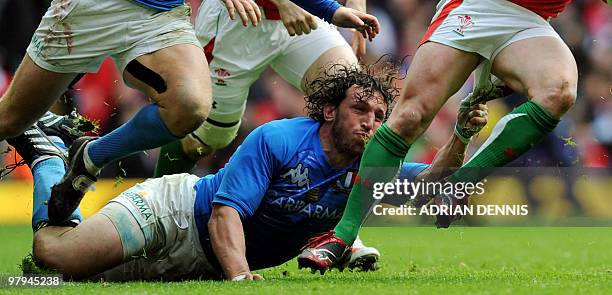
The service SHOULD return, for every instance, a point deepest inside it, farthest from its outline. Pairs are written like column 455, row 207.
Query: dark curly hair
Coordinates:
column 331, row 86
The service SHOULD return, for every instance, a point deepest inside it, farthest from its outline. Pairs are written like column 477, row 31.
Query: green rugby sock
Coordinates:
column 381, row 160
column 512, row 136
column 172, row 160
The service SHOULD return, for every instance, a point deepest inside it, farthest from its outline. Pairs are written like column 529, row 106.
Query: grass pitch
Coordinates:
column 459, row 260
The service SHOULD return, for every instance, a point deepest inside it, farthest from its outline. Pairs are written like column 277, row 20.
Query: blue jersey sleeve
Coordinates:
column 324, row 9
column 163, row 5
column 247, row 175
column 411, row 170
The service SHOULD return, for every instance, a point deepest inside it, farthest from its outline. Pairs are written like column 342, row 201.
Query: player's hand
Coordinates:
column 364, row 23
column 471, row 119
column 248, row 10
column 358, row 43
column 247, row 276
column 296, row 20
column 494, row 89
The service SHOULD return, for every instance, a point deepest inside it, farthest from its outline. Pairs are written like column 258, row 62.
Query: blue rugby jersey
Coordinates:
column 283, row 187
column 324, row 9
column 321, row 8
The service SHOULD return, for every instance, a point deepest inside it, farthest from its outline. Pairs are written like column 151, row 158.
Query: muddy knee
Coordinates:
column 186, row 112
column 557, row 96
column 410, row 118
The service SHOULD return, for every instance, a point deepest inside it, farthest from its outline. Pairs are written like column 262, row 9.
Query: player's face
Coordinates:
column 357, row 118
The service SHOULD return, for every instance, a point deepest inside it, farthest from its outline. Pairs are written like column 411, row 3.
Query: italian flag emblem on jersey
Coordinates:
column 349, row 179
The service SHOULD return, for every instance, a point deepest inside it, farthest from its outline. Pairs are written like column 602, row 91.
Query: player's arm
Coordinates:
column 470, row 120
column 358, row 43
column 246, row 179
column 227, row 238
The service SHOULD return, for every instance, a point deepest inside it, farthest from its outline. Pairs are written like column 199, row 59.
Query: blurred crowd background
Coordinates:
column 584, row 137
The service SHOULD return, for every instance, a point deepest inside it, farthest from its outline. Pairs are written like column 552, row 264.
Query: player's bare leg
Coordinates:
column 31, row 93
column 176, row 78
column 436, row 73
column 72, row 252
column 543, row 69
column 186, row 102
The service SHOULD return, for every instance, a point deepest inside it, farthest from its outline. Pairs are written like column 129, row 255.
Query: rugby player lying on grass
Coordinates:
column 288, row 182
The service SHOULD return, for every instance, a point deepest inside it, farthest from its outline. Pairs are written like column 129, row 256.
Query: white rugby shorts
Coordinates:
column 75, row 36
